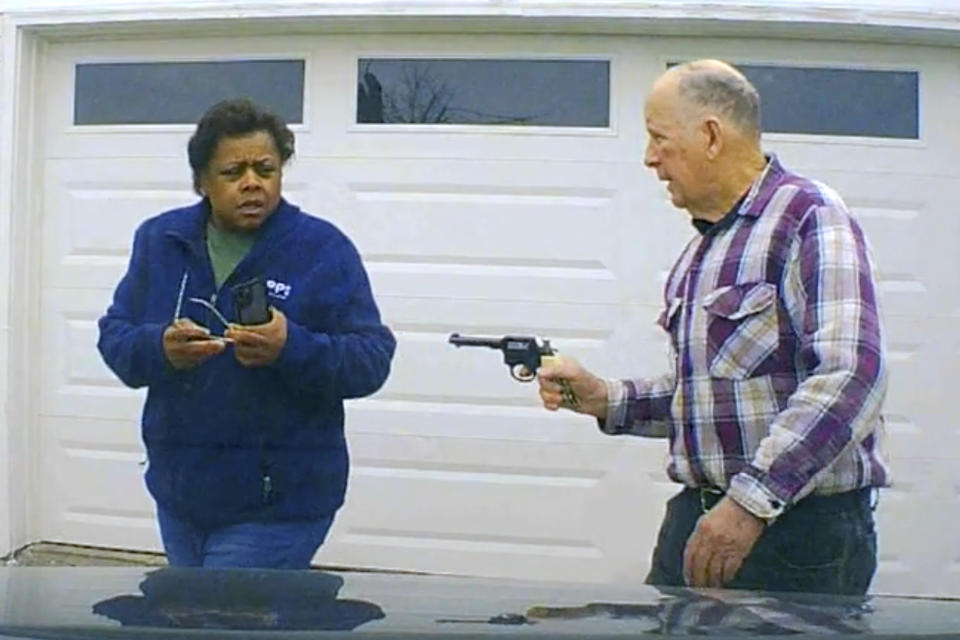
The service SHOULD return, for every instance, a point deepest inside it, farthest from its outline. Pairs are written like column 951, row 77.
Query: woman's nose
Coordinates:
column 250, row 180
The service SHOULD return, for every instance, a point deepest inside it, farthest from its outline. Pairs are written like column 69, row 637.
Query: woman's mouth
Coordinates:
column 251, row 207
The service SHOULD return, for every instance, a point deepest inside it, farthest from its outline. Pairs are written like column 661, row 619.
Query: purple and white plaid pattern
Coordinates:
column 780, row 369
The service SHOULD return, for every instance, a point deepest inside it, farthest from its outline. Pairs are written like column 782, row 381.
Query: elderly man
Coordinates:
column 772, row 408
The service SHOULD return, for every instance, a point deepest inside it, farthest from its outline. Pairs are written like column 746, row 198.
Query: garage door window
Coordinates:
column 179, row 92
column 546, row 93
column 837, row 102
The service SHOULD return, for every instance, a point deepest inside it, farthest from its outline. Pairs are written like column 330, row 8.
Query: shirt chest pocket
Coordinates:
column 668, row 322
column 743, row 330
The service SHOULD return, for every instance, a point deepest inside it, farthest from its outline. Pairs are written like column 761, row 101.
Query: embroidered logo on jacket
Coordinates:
column 279, row 290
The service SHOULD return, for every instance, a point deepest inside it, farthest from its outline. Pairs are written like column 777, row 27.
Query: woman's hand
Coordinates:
column 186, row 344
column 259, row 345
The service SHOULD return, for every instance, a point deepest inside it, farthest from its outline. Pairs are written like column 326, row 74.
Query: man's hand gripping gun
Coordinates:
column 523, row 354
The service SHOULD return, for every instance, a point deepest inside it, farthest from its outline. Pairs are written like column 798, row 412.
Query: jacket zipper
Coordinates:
column 213, row 301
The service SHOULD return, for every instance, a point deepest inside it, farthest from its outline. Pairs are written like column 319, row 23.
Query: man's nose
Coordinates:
column 650, row 157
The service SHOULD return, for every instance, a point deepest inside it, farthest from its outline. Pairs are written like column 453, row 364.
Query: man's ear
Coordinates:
column 713, row 131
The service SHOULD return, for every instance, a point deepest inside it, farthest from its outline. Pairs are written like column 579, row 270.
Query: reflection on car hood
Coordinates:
column 137, row 603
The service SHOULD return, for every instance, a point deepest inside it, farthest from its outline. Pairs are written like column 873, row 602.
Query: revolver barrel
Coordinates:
column 475, row 341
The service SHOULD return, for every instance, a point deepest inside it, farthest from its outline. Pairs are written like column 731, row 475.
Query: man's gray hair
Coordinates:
column 715, row 86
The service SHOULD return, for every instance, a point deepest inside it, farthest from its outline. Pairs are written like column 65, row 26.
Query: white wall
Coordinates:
column 928, row 13
column 15, row 431
column 5, row 265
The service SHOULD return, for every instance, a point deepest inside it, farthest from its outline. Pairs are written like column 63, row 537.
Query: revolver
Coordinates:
column 523, row 354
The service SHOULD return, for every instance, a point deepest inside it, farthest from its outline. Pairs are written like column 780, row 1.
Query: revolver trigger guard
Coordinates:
column 515, row 373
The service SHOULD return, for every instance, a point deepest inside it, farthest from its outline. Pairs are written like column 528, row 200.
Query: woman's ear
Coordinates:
column 201, row 188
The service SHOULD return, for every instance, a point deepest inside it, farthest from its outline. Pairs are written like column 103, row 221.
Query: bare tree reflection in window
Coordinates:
column 420, row 96
column 369, row 97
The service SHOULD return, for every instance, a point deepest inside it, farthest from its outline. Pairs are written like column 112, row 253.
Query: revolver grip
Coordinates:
column 569, row 397
column 547, row 359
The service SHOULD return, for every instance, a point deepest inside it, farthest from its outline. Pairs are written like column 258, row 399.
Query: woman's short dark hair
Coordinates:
column 230, row 118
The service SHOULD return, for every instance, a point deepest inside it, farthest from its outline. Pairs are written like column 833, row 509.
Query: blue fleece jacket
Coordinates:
column 228, row 443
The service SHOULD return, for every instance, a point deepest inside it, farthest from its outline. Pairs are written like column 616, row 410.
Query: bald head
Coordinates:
column 718, row 87
column 703, row 126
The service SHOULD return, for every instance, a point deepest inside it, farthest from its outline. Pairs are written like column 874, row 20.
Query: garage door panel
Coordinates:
column 77, row 381
column 491, row 224
column 141, row 141
column 346, row 139
column 439, row 556
column 471, row 420
column 607, row 148
column 103, row 203
column 816, row 156
column 911, row 232
column 474, row 374
column 587, row 230
column 918, row 370
column 546, row 522
column 904, row 516
column 494, row 282
column 555, row 320
column 616, row 341
column 472, row 210
column 133, row 146
column 110, row 507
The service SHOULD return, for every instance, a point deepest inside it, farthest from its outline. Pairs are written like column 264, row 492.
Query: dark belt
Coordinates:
column 847, row 501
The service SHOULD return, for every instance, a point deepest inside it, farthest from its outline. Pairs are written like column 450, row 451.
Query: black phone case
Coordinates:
column 250, row 302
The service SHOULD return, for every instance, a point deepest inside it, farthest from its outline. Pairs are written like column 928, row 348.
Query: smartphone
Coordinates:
column 250, row 302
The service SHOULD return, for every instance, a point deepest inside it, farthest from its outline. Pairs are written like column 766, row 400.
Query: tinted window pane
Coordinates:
column 179, row 92
column 553, row 93
column 839, row 102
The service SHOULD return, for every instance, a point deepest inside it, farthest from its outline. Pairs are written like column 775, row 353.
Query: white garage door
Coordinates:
column 553, row 229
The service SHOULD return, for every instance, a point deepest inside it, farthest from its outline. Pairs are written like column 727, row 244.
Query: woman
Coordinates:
column 243, row 424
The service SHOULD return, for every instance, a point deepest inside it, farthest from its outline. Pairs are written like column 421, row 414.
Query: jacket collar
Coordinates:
column 190, row 227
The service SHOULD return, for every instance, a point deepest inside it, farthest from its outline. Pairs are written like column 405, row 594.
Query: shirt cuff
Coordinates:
column 752, row 495
column 616, row 407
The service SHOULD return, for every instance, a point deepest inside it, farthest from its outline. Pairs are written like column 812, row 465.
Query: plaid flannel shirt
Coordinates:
column 779, row 365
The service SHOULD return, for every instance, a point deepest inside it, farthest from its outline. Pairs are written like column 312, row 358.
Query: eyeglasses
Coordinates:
column 206, row 303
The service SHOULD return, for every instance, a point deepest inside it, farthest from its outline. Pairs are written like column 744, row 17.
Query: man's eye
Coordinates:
column 265, row 170
column 232, row 172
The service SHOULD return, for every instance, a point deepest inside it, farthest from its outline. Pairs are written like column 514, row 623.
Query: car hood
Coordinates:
column 56, row 602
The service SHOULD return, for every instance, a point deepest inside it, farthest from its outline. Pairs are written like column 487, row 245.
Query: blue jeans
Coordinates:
column 260, row 545
column 823, row 544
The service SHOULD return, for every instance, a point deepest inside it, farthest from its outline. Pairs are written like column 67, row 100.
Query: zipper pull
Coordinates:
column 267, row 489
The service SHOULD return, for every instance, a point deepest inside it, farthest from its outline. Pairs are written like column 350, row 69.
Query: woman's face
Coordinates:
column 243, row 181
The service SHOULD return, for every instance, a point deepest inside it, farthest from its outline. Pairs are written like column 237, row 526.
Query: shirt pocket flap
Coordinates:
column 666, row 317
column 740, row 300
